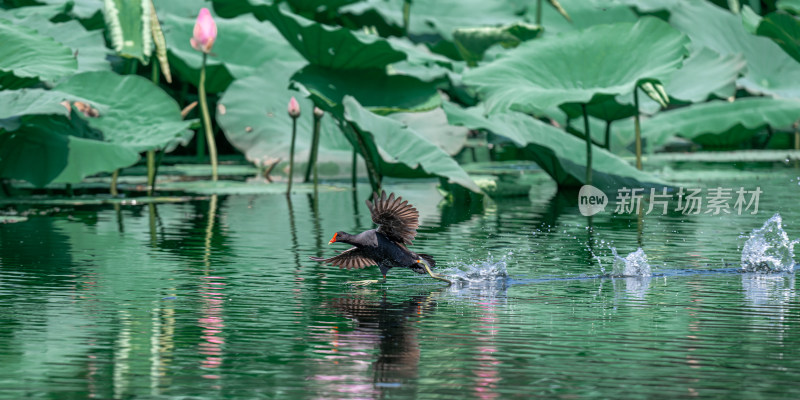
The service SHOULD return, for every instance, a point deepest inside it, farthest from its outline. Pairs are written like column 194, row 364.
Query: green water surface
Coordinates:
column 216, row 298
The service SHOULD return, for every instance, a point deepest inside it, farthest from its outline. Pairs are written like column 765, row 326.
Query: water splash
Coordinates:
column 768, row 249
column 489, row 272
column 634, row 264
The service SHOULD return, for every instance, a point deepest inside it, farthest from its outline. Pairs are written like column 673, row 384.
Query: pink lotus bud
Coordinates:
column 318, row 113
column 294, row 108
column 205, row 32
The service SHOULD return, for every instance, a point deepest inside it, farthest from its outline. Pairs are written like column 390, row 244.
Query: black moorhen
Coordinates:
column 385, row 246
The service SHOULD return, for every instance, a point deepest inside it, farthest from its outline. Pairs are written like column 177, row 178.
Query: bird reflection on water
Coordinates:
column 379, row 351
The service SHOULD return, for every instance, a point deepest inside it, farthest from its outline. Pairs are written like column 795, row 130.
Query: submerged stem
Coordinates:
column 212, row 147
column 151, row 171
column 588, row 137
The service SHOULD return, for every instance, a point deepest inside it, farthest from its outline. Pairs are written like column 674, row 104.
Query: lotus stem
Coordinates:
column 212, row 147
column 151, row 171
column 291, row 155
column 159, row 158
column 796, row 142
column 114, row 177
column 608, row 135
column 588, row 137
column 353, row 170
column 312, row 157
column 637, row 128
column 539, row 12
column 372, row 170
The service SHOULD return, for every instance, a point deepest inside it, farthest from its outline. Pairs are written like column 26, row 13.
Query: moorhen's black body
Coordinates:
column 385, row 246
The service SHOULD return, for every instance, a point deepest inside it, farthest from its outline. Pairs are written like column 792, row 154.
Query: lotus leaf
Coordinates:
column 583, row 13
column 28, row 54
column 769, row 69
column 560, row 154
column 134, row 112
column 400, row 151
column 575, row 67
column 243, row 44
column 260, row 127
column 128, row 23
column 781, row 28
column 716, row 123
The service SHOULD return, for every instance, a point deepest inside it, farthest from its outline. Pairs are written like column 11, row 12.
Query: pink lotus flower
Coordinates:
column 205, row 32
column 294, row 108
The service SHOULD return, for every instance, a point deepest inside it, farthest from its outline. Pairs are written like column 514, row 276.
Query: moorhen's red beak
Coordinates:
column 333, row 240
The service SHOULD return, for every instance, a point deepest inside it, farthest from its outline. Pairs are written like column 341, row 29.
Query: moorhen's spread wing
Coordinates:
column 350, row 258
column 397, row 219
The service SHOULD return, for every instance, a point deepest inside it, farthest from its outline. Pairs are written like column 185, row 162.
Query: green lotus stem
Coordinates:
column 406, row 15
column 539, row 12
column 372, row 170
column 159, row 158
column 154, row 71
column 796, row 142
column 312, row 157
column 588, row 137
column 212, row 147
column 637, row 128
column 151, row 171
column 608, row 135
column 114, row 177
column 353, row 170
column 291, row 155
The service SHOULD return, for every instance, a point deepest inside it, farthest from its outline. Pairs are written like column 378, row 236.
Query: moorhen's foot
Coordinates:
column 434, row 276
column 363, row 283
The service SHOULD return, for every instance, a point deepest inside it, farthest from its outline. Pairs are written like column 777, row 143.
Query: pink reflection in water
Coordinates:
column 212, row 323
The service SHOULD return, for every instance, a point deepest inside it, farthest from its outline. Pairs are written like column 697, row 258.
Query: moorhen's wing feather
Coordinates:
column 350, row 258
column 397, row 219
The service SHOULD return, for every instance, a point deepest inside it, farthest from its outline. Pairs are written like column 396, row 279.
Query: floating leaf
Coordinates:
column 560, row 154
column 577, row 66
column 28, row 54
column 401, row 151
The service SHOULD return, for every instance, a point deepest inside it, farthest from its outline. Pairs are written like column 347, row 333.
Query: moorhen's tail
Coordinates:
column 418, row 268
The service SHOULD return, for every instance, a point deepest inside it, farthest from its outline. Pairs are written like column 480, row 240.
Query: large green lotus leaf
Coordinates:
column 718, row 123
column 235, row 8
column 17, row 103
column 83, row 9
column 784, row 30
column 705, row 73
column 256, row 122
column 560, row 154
column 88, row 46
column 243, row 44
column 652, row 6
column 577, row 66
column 584, row 13
column 792, row 6
column 48, row 149
column 769, row 69
column 128, row 23
column 134, row 112
column 28, row 54
column 46, row 11
column 472, row 43
column 332, row 47
column 373, row 88
column 401, row 151
column 433, row 126
column 439, row 17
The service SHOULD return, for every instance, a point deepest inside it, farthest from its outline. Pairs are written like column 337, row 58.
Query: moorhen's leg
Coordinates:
column 434, row 276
